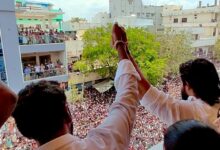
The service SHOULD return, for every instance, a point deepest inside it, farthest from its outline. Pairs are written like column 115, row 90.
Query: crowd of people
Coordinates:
column 49, row 69
column 88, row 114
column 36, row 35
column 42, row 112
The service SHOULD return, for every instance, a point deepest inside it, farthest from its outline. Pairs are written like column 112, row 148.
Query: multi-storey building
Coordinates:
column 202, row 22
column 40, row 14
column 33, row 45
column 120, row 8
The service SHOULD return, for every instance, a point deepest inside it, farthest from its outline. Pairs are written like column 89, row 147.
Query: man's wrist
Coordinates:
column 122, row 51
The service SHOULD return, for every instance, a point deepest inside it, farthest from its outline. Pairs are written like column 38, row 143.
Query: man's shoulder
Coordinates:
column 65, row 142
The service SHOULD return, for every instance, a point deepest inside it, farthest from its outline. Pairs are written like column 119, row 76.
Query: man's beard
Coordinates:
column 184, row 94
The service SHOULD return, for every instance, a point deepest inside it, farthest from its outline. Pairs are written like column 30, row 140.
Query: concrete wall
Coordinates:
column 26, row 49
column 10, row 46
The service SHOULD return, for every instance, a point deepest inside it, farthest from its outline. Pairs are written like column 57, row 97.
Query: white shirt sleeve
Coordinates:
column 168, row 109
column 114, row 132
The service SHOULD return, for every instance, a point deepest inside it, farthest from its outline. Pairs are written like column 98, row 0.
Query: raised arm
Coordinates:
column 114, row 132
column 8, row 101
column 167, row 108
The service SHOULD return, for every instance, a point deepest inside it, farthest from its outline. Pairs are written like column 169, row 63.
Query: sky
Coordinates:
column 88, row 8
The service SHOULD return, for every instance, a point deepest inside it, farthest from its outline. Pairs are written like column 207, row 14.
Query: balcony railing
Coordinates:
column 41, row 39
column 45, row 74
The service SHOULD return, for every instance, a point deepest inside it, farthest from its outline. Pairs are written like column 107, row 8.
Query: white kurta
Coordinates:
column 114, row 132
column 171, row 110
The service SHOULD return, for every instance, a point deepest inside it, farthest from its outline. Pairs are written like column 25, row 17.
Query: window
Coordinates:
column 195, row 16
column 148, row 15
column 196, row 37
column 184, row 20
column 175, row 20
column 214, row 32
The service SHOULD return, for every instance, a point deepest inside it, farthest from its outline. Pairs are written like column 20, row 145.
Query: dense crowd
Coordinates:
column 36, row 35
column 89, row 113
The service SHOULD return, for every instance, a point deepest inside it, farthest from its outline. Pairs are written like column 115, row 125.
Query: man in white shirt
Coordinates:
column 42, row 112
column 200, row 93
column 8, row 100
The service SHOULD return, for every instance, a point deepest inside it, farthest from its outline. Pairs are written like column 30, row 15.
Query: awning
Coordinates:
column 104, row 86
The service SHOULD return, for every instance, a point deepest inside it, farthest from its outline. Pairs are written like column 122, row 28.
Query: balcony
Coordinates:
column 205, row 42
column 36, row 39
column 45, row 72
column 192, row 30
column 31, row 74
column 41, row 48
column 32, row 35
column 191, row 25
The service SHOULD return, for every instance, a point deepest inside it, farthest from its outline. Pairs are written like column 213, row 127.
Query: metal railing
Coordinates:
column 45, row 74
column 41, row 39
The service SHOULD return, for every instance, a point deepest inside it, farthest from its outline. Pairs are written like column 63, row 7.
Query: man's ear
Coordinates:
column 189, row 90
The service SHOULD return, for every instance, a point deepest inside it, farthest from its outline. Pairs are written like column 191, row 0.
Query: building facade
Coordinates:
column 11, row 70
column 121, row 8
column 39, row 14
column 202, row 23
column 30, row 49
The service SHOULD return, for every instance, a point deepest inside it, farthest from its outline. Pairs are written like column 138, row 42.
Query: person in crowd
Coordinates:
column 27, row 72
column 37, row 71
column 42, row 69
column 191, row 135
column 42, row 112
column 8, row 100
column 200, row 93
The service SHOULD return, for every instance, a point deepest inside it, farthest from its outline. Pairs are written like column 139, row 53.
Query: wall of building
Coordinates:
column 201, row 23
column 121, row 8
column 9, row 39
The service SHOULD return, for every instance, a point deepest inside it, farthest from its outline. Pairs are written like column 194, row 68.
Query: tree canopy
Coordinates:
column 156, row 55
column 99, row 56
column 176, row 48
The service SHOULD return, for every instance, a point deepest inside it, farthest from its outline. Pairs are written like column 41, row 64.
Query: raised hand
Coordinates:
column 118, row 35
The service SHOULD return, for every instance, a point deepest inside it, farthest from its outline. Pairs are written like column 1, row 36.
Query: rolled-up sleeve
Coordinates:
column 114, row 132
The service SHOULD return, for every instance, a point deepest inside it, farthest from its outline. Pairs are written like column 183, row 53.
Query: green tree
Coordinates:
column 142, row 44
column 176, row 48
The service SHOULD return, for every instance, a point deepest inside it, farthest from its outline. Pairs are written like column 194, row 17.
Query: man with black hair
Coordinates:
column 200, row 93
column 42, row 113
column 191, row 135
column 8, row 100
